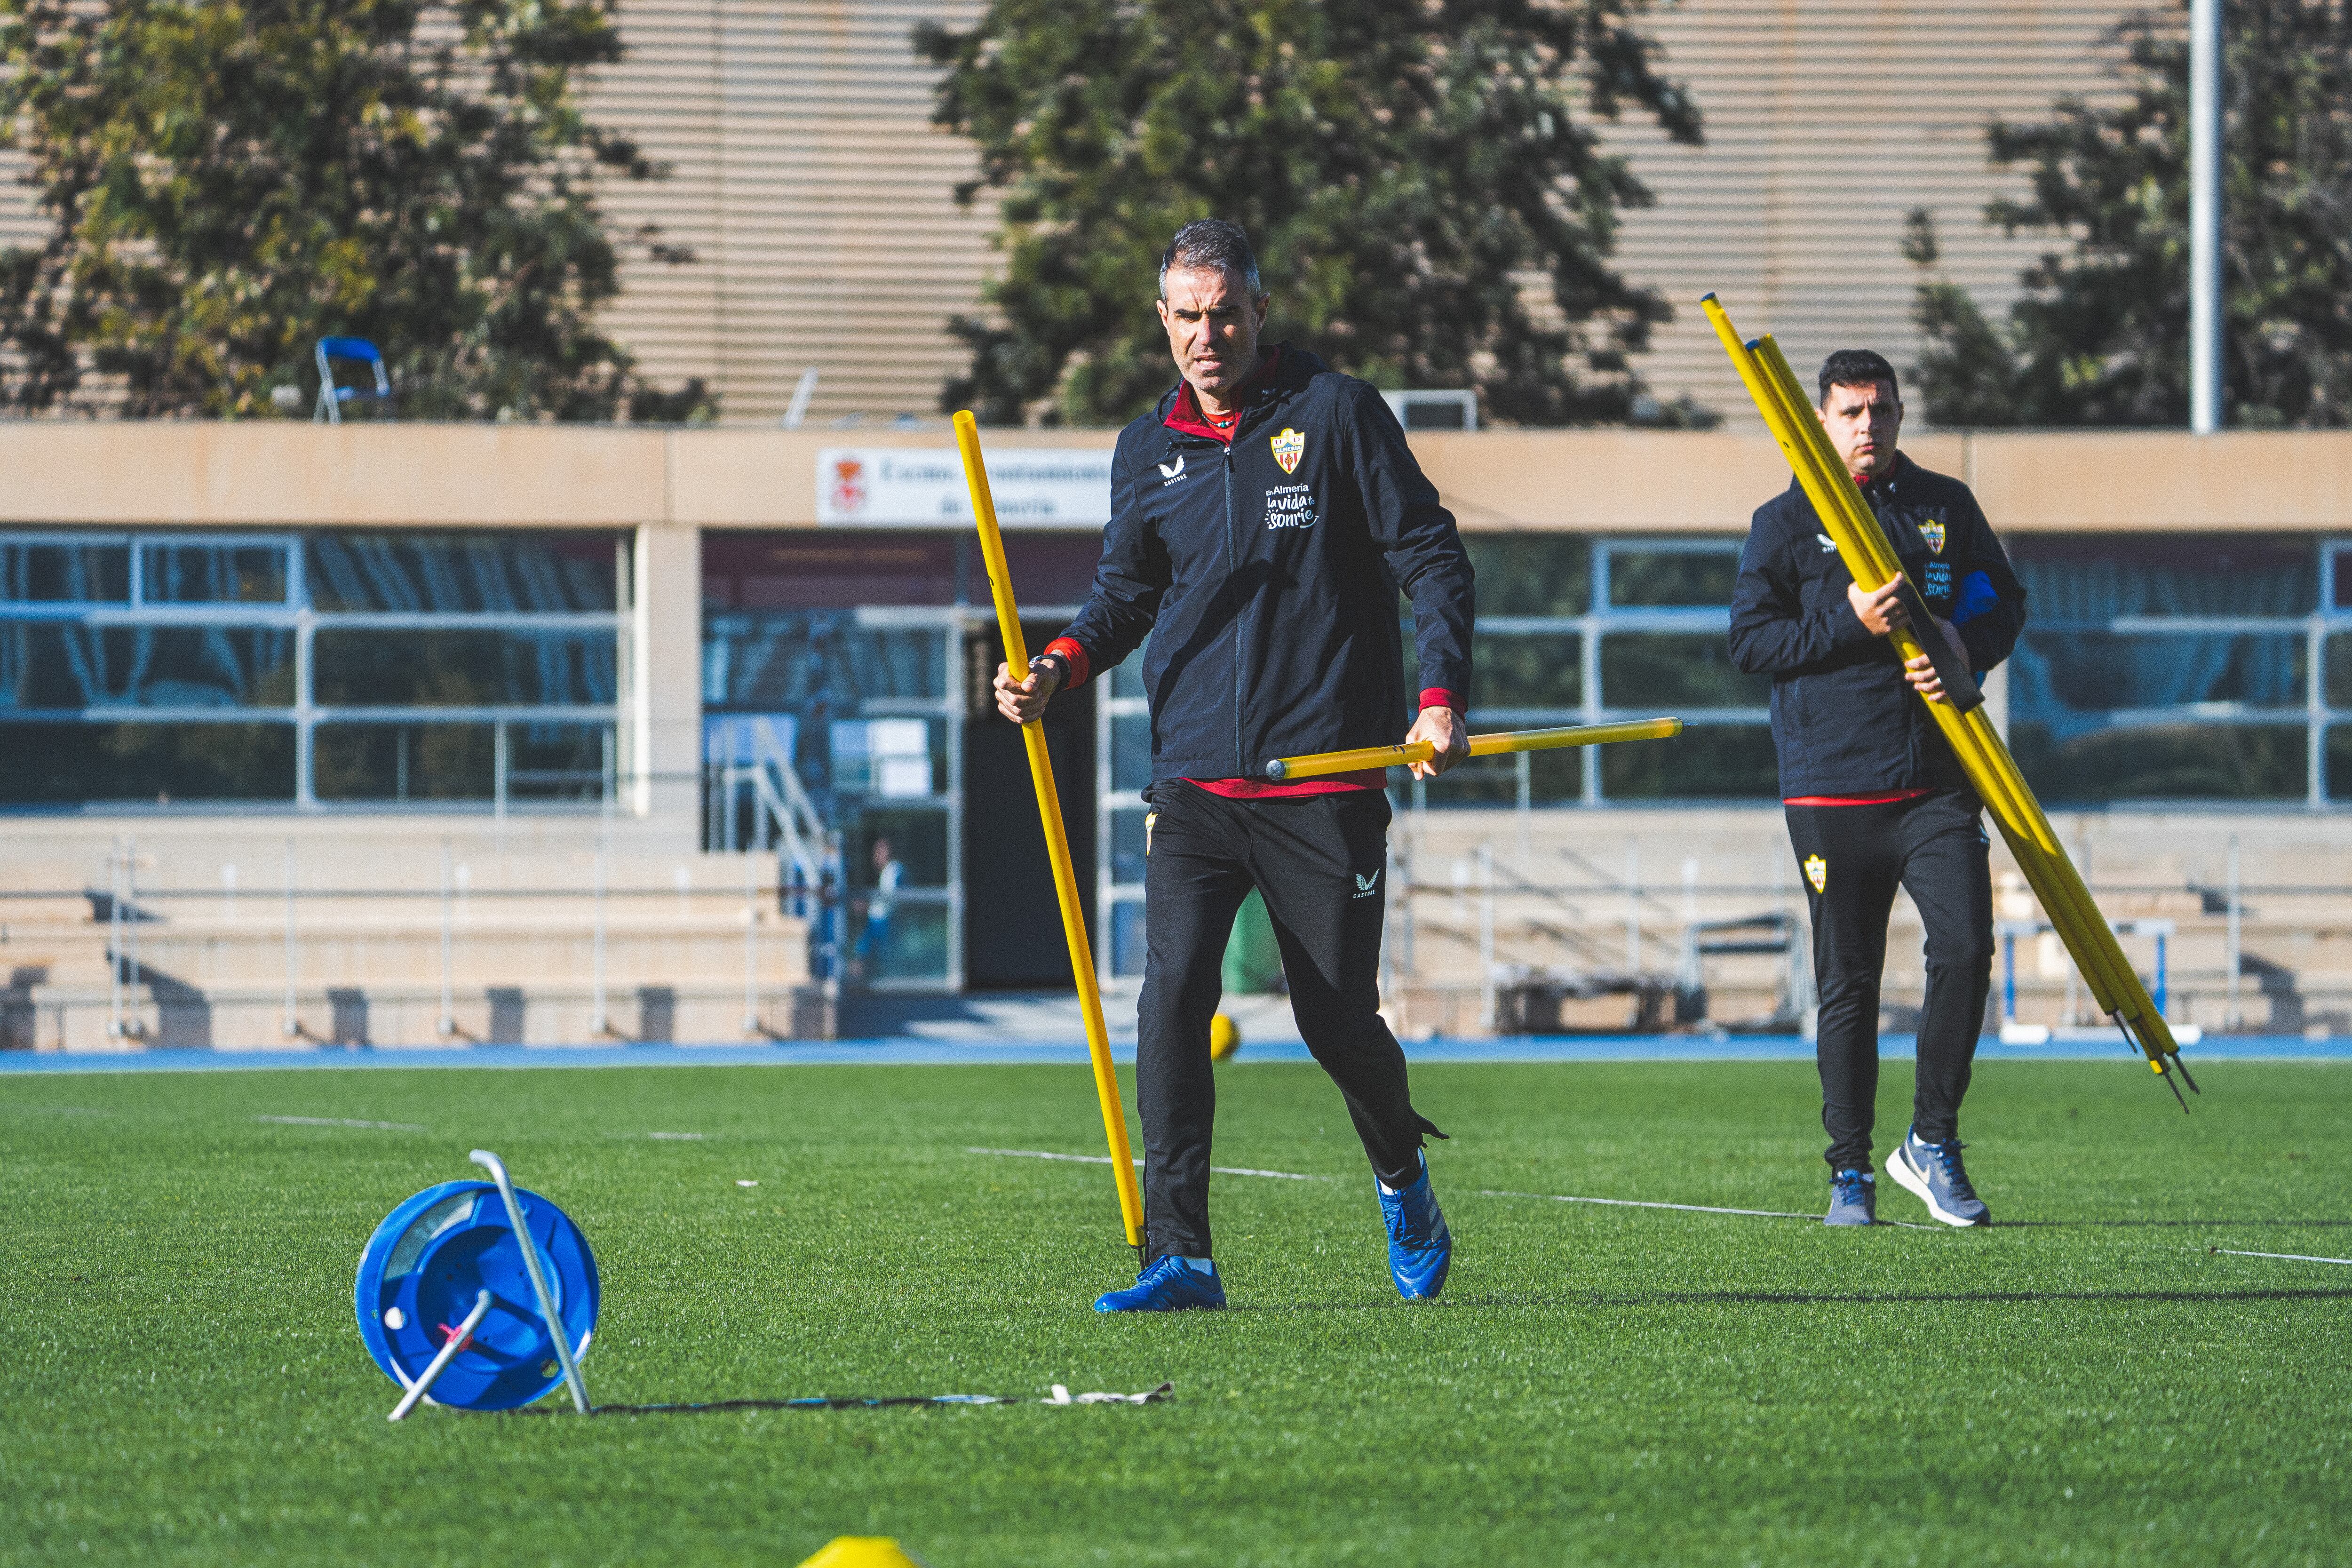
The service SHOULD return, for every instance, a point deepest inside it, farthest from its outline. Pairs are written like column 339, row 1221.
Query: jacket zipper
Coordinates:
column 1233, row 571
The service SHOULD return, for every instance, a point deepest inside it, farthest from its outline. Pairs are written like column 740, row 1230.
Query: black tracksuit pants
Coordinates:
column 1319, row 862
column 1854, row 858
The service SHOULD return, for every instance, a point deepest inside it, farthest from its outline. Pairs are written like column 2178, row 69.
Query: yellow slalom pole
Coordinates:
column 1057, row 842
column 1503, row 743
column 1868, row 556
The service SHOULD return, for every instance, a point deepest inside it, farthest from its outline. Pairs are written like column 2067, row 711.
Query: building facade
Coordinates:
column 714, row 639
column 819, row 202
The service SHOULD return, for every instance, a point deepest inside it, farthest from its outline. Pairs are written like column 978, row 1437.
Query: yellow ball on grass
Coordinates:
column 1224, row 1039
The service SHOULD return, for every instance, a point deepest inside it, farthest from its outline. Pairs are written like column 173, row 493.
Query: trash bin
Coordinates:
column 1253, row 958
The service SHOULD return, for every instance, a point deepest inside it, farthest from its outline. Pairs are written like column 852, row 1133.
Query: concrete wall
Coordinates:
column 477, row 475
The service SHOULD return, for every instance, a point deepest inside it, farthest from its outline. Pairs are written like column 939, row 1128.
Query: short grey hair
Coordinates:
column 1210, row 245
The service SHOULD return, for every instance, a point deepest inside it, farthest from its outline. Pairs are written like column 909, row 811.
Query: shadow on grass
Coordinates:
column 1814, row 1298
column 2166, row 1223
column 1160, row 1396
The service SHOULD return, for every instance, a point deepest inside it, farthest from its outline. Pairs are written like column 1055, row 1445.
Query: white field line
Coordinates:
column 1640, row 1203
column 340, row 1121
column 678, row 1137
column 2282, row 1256
column 1104, row 1160
column 1542, row 1197
column 1683, row 1208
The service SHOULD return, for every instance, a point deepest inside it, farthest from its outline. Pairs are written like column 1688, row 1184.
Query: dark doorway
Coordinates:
column 1012, row 923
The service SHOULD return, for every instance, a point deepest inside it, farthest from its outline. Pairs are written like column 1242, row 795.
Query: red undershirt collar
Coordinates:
column 1187, row 416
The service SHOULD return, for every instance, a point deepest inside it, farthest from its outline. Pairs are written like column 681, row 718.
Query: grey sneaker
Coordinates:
column 1853, row 1199
column 1933, row 1173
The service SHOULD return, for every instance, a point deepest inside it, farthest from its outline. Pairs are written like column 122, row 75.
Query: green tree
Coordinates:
column 1429, row 203
column 2101, row 335
column 226, row 181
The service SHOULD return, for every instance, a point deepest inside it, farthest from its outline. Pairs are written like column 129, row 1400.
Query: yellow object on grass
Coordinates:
column 1861, row 544
column 1057, row 842
column 862, row 1551
column 1501, row 744
column 1224, row 1039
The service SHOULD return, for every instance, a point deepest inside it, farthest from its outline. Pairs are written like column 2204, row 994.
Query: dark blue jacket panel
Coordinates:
column 1845, row 720
column 1265, row 573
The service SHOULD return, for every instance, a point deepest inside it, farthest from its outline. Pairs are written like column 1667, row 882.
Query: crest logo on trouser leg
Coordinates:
column 1817, row 872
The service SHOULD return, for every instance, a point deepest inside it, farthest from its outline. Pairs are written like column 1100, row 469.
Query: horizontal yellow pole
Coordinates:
column 1869, row 557
column 1057, row 840
column 1503, row 743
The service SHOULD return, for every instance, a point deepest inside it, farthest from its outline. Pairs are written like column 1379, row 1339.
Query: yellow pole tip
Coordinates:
column 862, row 1551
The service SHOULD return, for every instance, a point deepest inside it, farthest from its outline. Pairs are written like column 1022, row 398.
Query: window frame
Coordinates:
column 296, row 615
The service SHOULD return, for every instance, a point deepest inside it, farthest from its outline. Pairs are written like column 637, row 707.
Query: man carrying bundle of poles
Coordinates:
column 1263, row 518
column 1875, row 797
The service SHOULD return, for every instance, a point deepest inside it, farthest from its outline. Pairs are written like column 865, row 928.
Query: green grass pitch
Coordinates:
column 180, row 1380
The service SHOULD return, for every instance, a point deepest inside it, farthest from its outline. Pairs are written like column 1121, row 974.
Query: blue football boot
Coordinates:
column 1170, row 1285
column 1853, row 1199
column 1421, row 1250
column 1934, row 1174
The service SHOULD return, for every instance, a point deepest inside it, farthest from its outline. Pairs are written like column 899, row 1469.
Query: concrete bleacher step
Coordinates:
column 201, row 959
column 251, row 1017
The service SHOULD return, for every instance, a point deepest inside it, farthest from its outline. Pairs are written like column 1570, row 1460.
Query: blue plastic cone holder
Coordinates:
column 449, row 1302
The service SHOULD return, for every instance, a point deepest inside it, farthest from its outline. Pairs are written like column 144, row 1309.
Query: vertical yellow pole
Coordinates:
column 1057, row 842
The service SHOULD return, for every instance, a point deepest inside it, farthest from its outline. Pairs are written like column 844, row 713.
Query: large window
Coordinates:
column 1576, row 630
column 2184, row 667
column 334, row 669
column 2204, row 667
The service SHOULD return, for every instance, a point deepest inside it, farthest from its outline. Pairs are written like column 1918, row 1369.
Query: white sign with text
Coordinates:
column 922, row 486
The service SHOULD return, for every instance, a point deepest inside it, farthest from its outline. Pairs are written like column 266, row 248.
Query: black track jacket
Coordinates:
column 1845, row 720
column 1266, row 575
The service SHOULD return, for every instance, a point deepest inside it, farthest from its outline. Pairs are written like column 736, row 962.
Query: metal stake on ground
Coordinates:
column 546, row 1297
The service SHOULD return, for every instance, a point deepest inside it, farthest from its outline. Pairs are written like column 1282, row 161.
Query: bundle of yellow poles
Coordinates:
column 1863, row 546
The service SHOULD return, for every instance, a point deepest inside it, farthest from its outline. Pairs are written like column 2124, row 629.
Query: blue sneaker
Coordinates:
column 1934, row 1174
column 1170, row 1285
column 1853, row 1199
column 1421, row 1250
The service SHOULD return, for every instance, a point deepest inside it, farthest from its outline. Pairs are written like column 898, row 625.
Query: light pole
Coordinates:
column 2205, row 288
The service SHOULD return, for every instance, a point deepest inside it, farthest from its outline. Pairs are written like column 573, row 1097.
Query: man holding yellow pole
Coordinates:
column 1874, row 797
column 1263, row 518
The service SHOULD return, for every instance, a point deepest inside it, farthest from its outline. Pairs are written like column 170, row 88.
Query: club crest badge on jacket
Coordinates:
column 1932, row 530
column 1288, row 447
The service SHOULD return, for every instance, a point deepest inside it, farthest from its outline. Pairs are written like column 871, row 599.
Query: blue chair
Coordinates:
column 331, row 398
